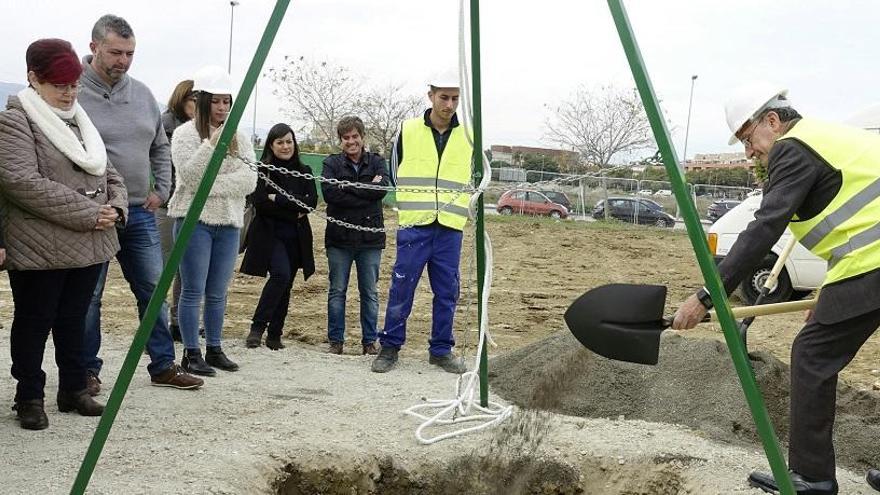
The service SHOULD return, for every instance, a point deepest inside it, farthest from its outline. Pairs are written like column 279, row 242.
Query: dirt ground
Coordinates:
column 540, row 267
column 302, row 421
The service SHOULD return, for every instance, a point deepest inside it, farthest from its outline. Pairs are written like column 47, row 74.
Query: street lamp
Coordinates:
column 232, row 5
column 688, row 125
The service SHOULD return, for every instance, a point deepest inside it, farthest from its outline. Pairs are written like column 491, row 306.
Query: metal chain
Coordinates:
column 257, row 166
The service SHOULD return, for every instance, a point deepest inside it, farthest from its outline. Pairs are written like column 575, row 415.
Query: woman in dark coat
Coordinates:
column 279, row 239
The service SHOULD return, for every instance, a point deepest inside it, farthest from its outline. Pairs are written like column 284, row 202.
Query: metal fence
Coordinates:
column 585, row 191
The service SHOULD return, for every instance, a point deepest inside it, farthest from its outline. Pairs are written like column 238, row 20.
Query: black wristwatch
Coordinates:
column 705, row 298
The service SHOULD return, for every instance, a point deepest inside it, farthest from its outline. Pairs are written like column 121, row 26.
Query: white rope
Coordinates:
column 465, row 407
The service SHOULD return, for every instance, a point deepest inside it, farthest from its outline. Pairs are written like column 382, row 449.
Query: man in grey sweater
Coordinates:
column 127, row 116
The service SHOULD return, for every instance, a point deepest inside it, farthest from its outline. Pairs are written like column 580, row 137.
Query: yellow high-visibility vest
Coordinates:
column 847, row 232
column 423, row 171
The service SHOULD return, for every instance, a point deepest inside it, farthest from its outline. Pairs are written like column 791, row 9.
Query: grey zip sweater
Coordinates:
column 128, row 119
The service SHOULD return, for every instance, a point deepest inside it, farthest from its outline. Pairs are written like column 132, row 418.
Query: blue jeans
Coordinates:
column 439, row 248
column 140, row 257
column 205, row 272
column 367, row 262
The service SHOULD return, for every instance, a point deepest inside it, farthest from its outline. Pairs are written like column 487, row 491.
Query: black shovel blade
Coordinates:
column 620, row 321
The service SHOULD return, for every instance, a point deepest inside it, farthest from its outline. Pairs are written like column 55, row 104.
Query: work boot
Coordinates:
column 386, row 360
column 31, row 414
column 449, row 363
column 93, row 383
column 335, row 348
column 274, row 342
column 176, row 377
column 217, row 358
column 766, row 482
column 192, row 362
column 873, row 478
column 79, row 401
column 372, row 348
column 175, row 332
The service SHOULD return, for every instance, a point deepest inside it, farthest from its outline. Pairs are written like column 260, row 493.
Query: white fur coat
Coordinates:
column 190, row 155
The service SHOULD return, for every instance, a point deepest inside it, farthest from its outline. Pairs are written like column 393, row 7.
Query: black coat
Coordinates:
column 260, row 238
column 354, row 205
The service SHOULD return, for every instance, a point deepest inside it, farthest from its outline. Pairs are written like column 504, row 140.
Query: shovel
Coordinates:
column 769, row 284
column 624, row 321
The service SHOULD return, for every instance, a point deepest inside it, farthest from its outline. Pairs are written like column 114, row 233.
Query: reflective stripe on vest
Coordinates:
column 847, row 232
column 437, row 188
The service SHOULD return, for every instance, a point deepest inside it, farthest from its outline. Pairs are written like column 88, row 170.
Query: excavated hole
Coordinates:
column 486, row 476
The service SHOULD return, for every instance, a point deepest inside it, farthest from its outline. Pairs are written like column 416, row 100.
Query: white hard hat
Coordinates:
column 444, row 79
column 748, row 100
column 213, row 79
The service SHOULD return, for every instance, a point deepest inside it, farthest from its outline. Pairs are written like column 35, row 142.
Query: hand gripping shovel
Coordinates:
column 624, row 321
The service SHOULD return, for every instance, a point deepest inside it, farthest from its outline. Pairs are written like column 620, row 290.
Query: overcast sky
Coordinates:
column 533, row 53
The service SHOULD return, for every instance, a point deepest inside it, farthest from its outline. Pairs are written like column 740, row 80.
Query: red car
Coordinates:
column 526, row 202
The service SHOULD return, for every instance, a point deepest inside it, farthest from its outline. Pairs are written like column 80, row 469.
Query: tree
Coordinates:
column 317, row 94
column 600, row 124
column 383, row 110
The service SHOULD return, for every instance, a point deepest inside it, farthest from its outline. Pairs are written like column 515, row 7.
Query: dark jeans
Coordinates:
column 56, row 301
column 367, row 262
column 140, row 257
column 818, row 354
column 166, row 234
column 275, row 299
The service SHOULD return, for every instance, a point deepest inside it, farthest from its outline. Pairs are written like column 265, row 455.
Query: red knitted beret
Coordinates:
column 53, row 61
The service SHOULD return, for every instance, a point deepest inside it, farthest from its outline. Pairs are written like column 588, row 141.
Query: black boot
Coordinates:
column 274, row 342
column 192, row 362
column 79, row 401
column 255, row 336
column 31, row 414
column 873, row 478
column 216, row 358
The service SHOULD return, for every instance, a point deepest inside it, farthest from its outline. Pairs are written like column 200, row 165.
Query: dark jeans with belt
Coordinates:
column 818, row 354
column 56, row 301
column 275, row 298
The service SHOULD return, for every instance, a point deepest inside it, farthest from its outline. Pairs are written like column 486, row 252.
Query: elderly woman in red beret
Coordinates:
column 60, row 200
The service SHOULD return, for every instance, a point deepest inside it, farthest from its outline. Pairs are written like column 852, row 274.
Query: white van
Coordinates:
column 803, row 271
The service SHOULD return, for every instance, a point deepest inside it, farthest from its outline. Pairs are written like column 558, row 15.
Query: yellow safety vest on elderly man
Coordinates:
column 847, row 232
column 434, row 188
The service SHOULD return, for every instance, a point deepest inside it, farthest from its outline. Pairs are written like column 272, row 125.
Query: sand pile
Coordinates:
column 694, row 385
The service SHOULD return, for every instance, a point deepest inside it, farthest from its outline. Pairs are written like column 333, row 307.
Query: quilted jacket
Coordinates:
column 47, row 215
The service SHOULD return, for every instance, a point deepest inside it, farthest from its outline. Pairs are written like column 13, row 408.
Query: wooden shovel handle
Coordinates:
column 768, row 309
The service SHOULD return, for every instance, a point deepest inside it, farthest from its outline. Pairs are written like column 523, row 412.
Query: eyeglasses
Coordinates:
column 67, row 88
column 747, row 140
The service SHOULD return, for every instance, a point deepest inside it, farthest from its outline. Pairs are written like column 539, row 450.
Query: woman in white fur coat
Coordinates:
column 209, row 260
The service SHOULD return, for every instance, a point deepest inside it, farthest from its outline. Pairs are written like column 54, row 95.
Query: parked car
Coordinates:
column 645, row 192
column 634, row 210
column 719, row 208
column 803, row 270
column 558, row 197
column 527, row 202
column 663, row 192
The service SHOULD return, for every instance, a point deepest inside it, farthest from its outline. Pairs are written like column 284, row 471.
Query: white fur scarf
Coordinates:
column 92, row 159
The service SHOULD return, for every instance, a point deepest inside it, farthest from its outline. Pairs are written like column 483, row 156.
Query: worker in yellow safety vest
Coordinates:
column 823, row 184
column 431, row 166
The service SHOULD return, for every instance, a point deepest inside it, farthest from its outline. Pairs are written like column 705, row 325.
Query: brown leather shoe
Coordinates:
column 31, row 414
column 335, row 348
column 175, row 377
column 372, row 349
column 79, row 401
column 93, row 383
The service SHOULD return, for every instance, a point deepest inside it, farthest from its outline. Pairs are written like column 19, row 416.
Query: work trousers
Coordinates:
column 439, row 248
column 818, row 354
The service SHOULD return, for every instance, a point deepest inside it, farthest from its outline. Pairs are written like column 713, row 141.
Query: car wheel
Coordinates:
column 754, row 281
column 506, row 210
column 555, row 214
column 661, row 222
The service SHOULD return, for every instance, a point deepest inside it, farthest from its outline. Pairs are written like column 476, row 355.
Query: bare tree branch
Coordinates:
column 600, row 124
column 383, row 110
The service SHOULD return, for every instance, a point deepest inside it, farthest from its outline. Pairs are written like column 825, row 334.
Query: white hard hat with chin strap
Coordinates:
column 749, row 100
column 213, row 79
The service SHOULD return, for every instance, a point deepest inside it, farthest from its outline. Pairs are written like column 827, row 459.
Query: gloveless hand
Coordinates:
column 689, row 314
